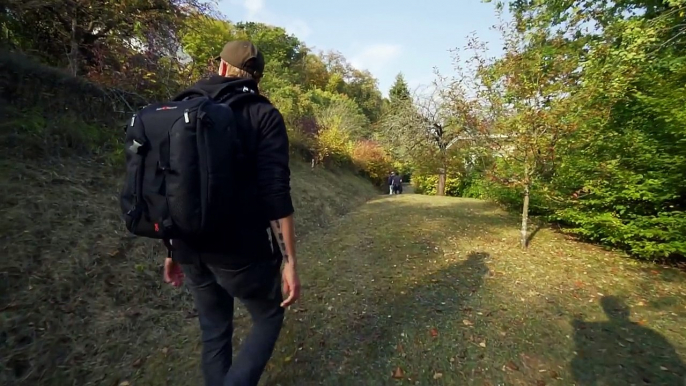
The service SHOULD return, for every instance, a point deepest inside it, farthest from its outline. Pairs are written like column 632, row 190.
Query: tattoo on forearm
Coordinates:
column 280, row 239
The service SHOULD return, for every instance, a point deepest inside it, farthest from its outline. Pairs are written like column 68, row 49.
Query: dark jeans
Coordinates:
column 214, row 288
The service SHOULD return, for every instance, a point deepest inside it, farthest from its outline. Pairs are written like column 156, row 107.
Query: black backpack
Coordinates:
column 181, row 158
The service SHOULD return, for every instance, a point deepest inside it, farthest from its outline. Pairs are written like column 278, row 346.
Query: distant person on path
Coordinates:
column 397, row 184
column 621, row 352
column 390, row 183
column 242, row 254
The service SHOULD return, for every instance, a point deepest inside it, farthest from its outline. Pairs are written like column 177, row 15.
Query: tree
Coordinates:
column 81, row 28
column 523, row 103
column 399, row 91
column 602, row 141
column 275, row 43
column 618, row 178
column 203, row 37
column 425, row 133
column 359, row 85
column 314, row 74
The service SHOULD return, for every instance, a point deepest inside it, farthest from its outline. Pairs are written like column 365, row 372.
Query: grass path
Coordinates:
column 415, row 290
column 435, row 291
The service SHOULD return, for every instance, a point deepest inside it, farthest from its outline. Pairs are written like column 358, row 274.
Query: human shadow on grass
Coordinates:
column 427, row 323
column 420, row 329
column 622, row 352
column 361, row 299
column 418, row 322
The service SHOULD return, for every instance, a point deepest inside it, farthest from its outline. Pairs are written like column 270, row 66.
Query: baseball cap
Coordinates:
column 244, row 55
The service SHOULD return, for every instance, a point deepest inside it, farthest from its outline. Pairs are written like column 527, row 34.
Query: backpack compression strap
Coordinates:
column 168, row 245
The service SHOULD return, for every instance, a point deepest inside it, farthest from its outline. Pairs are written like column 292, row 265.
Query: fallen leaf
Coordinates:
column 640, row 304
column 553, row 374
column 512, row 366
column 125, row 383
column 165, row 350
column 438, row 375
column 288, row 359
column 467, row 322
column 398, row 373
column 434, row 332
column 482, row 344
column 137, row 362
column 540, row 382
column 663, row 368
column 629, row 340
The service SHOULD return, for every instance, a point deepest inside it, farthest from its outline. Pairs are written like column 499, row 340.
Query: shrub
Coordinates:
column 428, row 185
column 370, row 158
column 333, row 145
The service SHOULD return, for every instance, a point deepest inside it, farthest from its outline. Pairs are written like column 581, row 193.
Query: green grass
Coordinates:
column 437, row 292
column 438, row 288
column 432, row 290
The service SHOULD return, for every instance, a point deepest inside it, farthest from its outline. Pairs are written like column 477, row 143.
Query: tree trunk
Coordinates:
column 73, row 55
column 440, row 187
column 525, row 216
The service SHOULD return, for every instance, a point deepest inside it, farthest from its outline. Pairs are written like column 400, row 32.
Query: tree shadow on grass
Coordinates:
column 533, row 233
column 621, row 352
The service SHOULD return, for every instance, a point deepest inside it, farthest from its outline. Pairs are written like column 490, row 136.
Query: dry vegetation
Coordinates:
column 82, row 302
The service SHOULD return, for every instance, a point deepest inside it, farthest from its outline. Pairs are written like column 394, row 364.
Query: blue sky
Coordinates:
column 383, row 36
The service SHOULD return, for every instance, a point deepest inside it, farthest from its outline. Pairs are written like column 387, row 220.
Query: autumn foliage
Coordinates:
column 145, row 51
column 371, row 158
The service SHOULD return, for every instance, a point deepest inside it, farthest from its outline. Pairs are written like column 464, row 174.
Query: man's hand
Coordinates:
column 172, row 272
column 291, row 284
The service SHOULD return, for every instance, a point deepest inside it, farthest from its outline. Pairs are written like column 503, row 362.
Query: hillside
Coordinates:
column 81, row 301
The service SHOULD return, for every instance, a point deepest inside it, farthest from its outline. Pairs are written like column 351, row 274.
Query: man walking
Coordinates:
column 391, row 179
column 397, row 184
column 244, row 261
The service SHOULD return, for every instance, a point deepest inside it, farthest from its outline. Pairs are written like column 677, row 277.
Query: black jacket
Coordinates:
column 264, row 176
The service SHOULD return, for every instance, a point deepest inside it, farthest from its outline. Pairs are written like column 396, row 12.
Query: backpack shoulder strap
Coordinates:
column 236, row 94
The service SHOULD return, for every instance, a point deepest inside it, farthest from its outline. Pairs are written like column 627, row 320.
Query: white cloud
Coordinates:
column 253, row 7
column 258, row 11
column 298, row 28
column 375, row 57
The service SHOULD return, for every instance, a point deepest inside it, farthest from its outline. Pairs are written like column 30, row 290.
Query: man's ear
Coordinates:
column 222, row 68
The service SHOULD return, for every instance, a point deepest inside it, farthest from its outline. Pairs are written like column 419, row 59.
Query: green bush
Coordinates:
column 474, row 185
column 428, row 185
